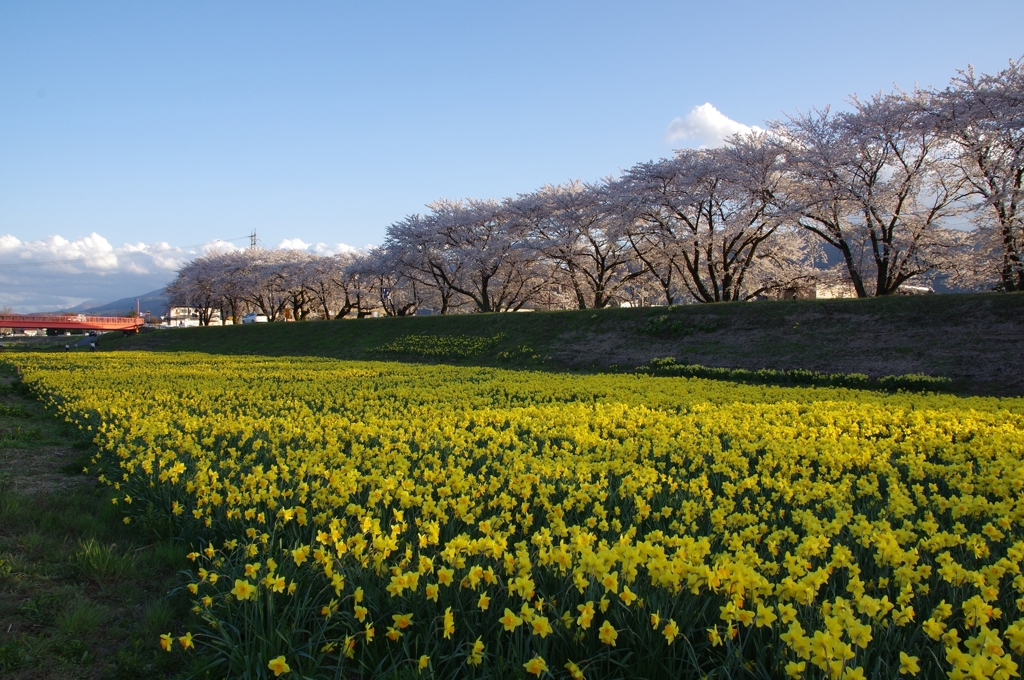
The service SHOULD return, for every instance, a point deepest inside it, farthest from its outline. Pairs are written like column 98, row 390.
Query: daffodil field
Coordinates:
column 361, row 519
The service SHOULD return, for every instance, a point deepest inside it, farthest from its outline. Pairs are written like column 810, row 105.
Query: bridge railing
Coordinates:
column 15, row 320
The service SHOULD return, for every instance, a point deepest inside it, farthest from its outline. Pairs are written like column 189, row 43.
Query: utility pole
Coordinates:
column 252, row 239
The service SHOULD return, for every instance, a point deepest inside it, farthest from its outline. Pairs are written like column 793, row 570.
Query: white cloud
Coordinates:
column 292, row 244
column 318, row 248
column 150, row 256
column 216, row 247
column 91, row 252
column 87, row 254
column 705, row 127
column 336, row 249
column 58, row 273
column 54, row 273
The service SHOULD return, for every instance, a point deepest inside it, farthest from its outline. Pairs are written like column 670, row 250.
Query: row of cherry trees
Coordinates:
column 882, row 191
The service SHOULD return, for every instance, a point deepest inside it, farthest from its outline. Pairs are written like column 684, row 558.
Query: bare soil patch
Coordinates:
column 978, row 347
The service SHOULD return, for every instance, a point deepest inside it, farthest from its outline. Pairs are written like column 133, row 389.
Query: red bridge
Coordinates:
column 71, row 322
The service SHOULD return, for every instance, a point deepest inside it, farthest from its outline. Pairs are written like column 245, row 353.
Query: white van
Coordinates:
column 255, row 318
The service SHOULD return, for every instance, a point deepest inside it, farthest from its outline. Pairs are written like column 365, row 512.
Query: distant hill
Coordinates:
column 88, row 304
column 154, row 301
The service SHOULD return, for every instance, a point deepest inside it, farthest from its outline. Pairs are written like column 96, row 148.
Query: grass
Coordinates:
column 81, row 618
column 669, row 367
column 102, row 562
column 81, row 594
column 971, row 339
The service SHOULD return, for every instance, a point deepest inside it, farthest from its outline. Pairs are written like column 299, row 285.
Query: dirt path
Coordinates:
column 34, row 457
column 82, row 596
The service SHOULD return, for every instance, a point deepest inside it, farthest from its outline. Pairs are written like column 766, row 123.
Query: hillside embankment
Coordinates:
column 975, row 340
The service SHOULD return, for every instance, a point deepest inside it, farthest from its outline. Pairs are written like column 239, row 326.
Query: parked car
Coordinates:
column 255, row 318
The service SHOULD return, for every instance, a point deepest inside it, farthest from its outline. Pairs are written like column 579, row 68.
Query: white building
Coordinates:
column 184, row 317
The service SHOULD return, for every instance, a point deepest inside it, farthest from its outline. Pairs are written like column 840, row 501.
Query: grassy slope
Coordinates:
column 973, row 339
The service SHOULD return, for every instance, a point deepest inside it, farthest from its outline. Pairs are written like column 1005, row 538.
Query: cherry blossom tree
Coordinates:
column 474, row 248
column 576, row 228
column 393, row 290
column 875, row 184
column 712, row 218
column 324, row 280
column 881, row 184
column 983, row 117
column 232, row 272
column 195, row 286
column 271, row 281
column 415, row 247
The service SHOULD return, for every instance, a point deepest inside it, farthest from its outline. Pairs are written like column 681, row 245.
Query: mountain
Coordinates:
column 88, row 304
column 154, row 301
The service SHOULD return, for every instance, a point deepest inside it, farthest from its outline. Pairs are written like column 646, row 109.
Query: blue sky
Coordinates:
column 180, row 123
